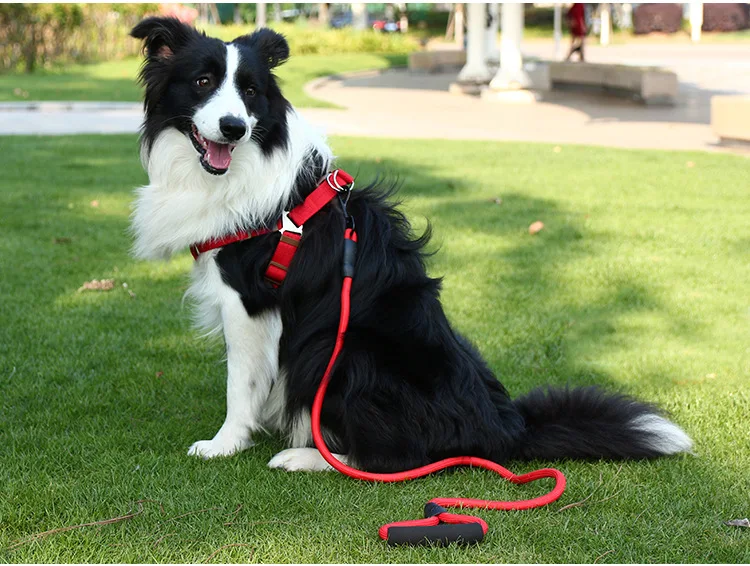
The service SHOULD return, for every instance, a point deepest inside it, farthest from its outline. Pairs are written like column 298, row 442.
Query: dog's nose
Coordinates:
column 232, row 128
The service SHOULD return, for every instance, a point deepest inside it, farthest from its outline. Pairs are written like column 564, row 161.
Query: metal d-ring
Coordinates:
column 333, row 182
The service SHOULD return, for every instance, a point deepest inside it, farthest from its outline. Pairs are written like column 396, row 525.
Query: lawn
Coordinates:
column 639, row 281
column 114, row 80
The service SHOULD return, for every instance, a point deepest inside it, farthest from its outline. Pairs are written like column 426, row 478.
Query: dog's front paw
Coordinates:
column 219, row 447
column 302, row 460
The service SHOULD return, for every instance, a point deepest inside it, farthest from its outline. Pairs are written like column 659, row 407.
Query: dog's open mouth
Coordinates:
column 215, row 157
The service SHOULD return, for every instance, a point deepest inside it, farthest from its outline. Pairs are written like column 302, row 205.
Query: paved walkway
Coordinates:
column 396, row 103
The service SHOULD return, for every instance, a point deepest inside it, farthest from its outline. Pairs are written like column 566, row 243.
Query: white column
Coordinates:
column 627, row 16
column 511, row 75
column 558, row 30
column 458, row 25
column 475, row 71
column 260, row 15
column 323, row 14
column 696, row 21
column 359, row 16
column 403, row 22
column 606, row 15
column 492, row 53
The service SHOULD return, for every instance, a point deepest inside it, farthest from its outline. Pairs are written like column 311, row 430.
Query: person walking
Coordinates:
column 577, row 23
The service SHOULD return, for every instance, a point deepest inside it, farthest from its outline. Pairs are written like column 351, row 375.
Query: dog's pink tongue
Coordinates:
column 218, row 155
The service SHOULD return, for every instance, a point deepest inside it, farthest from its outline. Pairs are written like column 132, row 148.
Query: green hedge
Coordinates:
column 48, row 35
column 306, row 38
column 42, row 35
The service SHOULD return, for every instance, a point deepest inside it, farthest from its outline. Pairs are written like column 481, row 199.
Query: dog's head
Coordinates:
column 219, row 95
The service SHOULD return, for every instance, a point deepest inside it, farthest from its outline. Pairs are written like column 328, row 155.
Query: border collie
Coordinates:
column 225, row 151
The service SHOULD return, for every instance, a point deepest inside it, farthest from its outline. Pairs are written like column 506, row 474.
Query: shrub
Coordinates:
column 666, row 18
column 38, row 35
column 307, row 39
column 725, row 17
column 43, row 35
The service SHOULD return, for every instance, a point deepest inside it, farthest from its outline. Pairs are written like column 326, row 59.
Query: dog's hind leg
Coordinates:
column 252, row 366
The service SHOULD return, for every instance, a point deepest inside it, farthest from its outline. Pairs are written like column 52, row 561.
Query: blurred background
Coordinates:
column 44, row 35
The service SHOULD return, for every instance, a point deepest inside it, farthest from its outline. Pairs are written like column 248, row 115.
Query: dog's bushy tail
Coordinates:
column 589, row 423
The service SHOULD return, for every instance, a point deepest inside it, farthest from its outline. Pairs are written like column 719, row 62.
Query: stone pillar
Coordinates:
column 696, row 21
column 626, row 21
column 458, row 25
column 606, row 16
column 475, row 73
column 511, row 75
column 558, row 31
column 492, row 55
column 260, row 15
column 513, row 81
column 324, row 17
column 359, row 16
column 403, row 21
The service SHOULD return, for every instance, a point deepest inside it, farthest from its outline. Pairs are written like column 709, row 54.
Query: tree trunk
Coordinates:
column 30, row 49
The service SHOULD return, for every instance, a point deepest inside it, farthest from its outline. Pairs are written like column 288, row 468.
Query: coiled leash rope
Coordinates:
column 438, row 526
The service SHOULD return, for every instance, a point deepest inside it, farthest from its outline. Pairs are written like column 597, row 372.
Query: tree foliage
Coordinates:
column 40, row 35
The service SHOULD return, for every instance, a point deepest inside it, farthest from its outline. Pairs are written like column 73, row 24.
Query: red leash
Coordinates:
column 439, row 526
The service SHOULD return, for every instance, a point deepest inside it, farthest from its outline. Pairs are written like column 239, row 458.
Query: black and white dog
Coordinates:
column 226, row 151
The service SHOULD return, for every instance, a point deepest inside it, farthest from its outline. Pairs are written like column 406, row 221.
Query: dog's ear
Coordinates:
column 271, row 46
column 163, row 36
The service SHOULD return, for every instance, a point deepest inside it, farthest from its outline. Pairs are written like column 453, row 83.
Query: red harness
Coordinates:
column 335, row 183
column 439, row 526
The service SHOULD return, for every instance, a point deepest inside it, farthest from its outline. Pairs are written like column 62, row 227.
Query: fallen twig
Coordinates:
column 161, row 507
column 610, row 497
column 269, row 522
column 119, row 519
column 234, row 514
column 190, row 513
column 585, row 499
column 603, row 555
column 161, row 538
column 590, row 495
column 215, row 552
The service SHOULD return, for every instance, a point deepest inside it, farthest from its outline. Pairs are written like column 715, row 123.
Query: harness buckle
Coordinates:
column 288, row 225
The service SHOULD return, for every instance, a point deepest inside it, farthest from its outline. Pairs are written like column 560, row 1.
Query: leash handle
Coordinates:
column 438, row 527
column 440, row 534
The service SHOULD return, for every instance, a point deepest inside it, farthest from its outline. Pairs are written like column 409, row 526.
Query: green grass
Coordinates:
column 639, row 282
column 116, row 80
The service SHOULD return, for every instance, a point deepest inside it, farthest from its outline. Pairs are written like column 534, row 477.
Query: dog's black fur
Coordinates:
column 407, row 389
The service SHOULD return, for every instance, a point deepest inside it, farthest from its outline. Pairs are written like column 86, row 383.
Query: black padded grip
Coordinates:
column 442, row 534
column 350, row 256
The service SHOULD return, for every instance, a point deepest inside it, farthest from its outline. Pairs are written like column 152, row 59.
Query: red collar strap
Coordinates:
column 335, row 182
column 198, row 249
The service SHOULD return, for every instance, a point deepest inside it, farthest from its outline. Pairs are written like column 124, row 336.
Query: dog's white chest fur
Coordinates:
column 183, row 204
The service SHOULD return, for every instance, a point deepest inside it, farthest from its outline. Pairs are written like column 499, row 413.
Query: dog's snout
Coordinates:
column 232, row 128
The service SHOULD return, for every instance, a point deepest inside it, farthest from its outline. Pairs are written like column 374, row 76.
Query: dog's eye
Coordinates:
column 250, row 91
column 203, row 82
